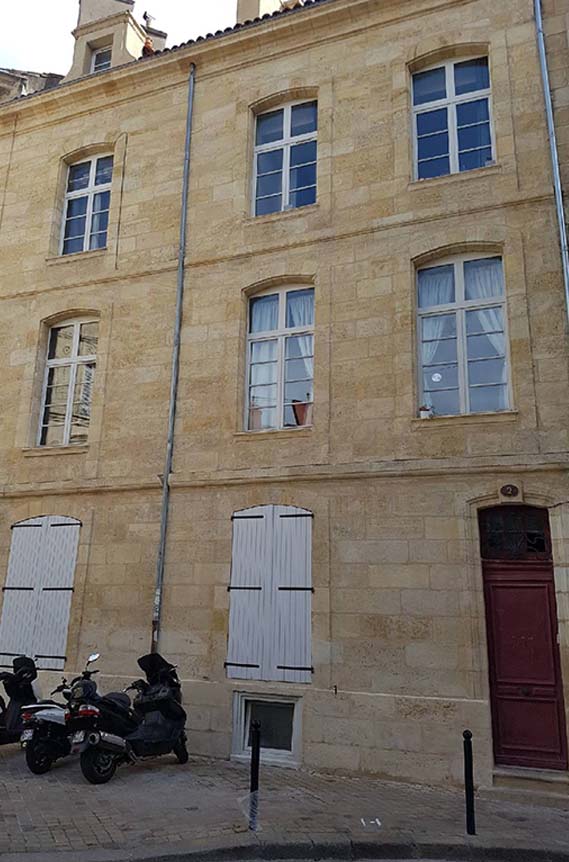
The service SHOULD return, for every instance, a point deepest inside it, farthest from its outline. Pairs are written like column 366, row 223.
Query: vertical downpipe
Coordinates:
column 157, row 609
column 553, row 148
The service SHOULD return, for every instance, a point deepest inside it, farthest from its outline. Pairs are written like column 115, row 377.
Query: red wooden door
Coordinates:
column 526, row 690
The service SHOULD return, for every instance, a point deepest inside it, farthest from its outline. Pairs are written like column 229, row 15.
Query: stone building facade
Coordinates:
column 410, row 544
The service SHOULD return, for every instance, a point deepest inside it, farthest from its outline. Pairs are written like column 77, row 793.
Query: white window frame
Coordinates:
column 459, row 308
column 451, row 101
column 279, row 335
column 286, row 143
column 89, row 192
column 241, row 751
column 95, row 54
column 74, row 361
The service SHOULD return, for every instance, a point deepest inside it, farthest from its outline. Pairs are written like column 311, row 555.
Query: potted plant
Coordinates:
column 425, row 412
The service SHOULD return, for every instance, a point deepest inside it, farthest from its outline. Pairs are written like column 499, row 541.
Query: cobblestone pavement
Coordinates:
column 203, row 805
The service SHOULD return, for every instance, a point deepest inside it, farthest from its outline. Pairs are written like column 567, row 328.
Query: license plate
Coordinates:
column 27, row 735
column 78, row 737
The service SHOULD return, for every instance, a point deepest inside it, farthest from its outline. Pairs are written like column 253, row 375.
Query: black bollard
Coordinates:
column 469, row 783
column 254, row 787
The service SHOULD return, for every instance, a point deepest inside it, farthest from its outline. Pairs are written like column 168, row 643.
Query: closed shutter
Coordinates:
column 38, row 590
column 250, row 563
column 20, row 594
column 292, row 596
column 59, row 552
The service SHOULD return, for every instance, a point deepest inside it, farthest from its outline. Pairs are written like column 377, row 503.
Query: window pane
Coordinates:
column 485, row 320
column 76, row 207
column 488, row 398
column 73, row 246
column 52, row 435
column 56, row 396
column 262, row 396
column 300, row 308
column 261, row 418
column 60, row 342
column 471, row 75
column 269, row 162
column 263, row 351
column 434, row 168
column 433, row 145
column 303, row 154
column 474, row 137
column 298, row 346
column 303, row 198
column 444, row 403
column 269, row 184
column 475, row 159
column 301, row 392
column 262, row 374
column 102, row 60
column 485, row 346
column 269, row 127
column 438, row 352
column 484, row 278
column 487, row 371
column 440, row 377
column 88, row 339
column 303, row 177
column 276, row 724
column 75, row 227
column 78, row 435
column 429, row 86
column 265, row 206
column 264, row 313
column 470, row 113
column 304, row 119
column 83, row 391
column 98, row 240
column 58, row 376
column 101, row 201
column 78, row 176
column 100, row 222
column 436, row 286
column 297, row 415
column 432, row 121
column 104, row 170
column 299, row 369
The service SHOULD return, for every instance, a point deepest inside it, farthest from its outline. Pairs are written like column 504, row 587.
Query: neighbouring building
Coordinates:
column 368, row 536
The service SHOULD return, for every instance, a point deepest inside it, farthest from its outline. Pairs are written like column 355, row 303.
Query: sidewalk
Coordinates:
column 159, row 809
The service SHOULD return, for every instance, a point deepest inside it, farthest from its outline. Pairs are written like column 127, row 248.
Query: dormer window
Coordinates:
column 101, row 60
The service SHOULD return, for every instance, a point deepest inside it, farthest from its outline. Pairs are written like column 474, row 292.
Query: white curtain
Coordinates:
column 436, row 286
column 300, row 308
column 483, row 279
column 491, row 321
column 264, row 313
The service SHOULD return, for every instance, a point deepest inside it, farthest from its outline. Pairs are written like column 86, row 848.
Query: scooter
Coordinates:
column 45, row 735
column 153, row 726
column 19, row 688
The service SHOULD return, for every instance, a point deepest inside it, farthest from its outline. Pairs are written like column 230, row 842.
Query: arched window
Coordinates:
column 463, row 355
column 68, row 384
column 452, row 118
column 87, row 205
column 285, row 158
column 280, row 359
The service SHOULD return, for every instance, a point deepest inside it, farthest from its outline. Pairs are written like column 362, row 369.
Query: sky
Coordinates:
column 35, row 35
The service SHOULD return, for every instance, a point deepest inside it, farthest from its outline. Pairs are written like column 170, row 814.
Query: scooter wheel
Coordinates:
column 98, row 766
column 37, row 759
column 181, row 751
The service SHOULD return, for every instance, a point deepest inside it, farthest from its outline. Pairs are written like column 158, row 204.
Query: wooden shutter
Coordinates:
column 59, row 552
column 38, row 590
column 250, row 563
column 291, row 607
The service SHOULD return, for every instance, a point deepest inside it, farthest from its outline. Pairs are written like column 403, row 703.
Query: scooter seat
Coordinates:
column 118, row 697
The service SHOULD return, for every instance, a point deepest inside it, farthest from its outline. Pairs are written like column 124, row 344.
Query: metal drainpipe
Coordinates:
column 554, row 150
column 157, row 610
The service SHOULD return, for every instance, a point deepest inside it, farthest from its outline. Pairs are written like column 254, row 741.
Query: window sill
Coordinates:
column 452, row 178
column 297, row 211
column 41, row 451
column 78, row 255
column 305, row 431
column 467, row 419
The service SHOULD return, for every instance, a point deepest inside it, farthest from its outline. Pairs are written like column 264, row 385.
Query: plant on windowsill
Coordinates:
column 425, row 412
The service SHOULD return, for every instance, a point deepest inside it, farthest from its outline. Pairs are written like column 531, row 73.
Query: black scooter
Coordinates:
column 18, row 687
column 153, row 726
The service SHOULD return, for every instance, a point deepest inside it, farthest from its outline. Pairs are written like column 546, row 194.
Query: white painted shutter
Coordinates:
column 59, row 557
column 250, row 565
column 291, row 589
column 20, row 592
column 38, row 590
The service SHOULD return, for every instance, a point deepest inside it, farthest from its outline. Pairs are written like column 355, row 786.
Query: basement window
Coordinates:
column 280, row 720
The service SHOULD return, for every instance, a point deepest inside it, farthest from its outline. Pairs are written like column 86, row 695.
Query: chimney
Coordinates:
column 249, row 9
